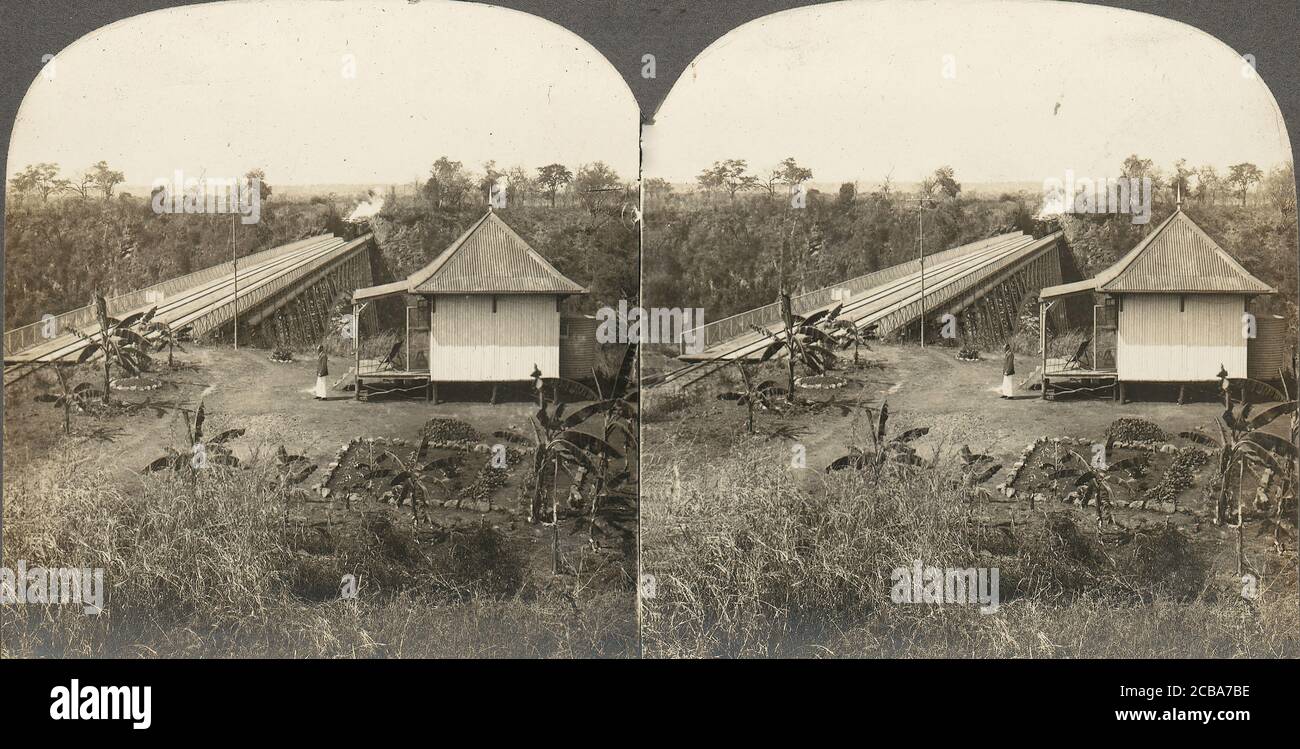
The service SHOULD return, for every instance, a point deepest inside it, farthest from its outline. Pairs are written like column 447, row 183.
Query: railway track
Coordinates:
column 210, row 304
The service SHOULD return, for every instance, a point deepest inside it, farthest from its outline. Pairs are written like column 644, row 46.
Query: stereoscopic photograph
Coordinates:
column 993, row 341
column 301, row 352
column 876, row 329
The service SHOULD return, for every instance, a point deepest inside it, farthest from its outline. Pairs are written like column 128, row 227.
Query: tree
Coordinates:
column 1181, row 184
column 598, row 187
column 41, row 179
column 106, row 179
column 1242, row 176
column 447, row 184
column 521, row 185
column 263, row 189
column 946, row 182
column 658, row 187
column 847, row 195
column 552, row 177
column 791, row 173
column 85, row 183
column 490, row 176
column 1208, row 184
column 729, row 175
column 1279, row 186
column 1137, row 168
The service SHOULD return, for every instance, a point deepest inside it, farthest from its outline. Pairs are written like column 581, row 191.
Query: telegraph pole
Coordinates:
column 234, row 265
column 921, row 204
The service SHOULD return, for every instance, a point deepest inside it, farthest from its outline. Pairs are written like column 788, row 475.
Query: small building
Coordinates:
column 1170, row 311
column 489, row 307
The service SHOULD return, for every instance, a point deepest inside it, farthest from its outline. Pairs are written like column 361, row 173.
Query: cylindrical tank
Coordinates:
column 1266, row 353
column 577, row 347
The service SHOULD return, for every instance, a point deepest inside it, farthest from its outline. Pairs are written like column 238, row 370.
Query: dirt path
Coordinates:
column 958, row 401
column 273, row 402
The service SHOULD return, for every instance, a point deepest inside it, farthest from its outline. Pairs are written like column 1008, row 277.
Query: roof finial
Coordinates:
column 1179, row 185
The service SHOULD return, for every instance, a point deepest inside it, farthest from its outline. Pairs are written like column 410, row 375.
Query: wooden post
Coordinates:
column 1182, row 393
column 494, row 393
column 356, row 354
column 433, row 392
column 1042, row 341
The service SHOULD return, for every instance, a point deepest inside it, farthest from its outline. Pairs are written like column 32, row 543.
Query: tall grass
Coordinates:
column 752, row 559
column 222, row 564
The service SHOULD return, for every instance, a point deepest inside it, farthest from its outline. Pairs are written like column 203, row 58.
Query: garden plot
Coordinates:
column 1141, row 474
column 457, row 471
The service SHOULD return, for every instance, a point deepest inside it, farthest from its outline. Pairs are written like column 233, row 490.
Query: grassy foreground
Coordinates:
column 221, row 564
column 752, row 559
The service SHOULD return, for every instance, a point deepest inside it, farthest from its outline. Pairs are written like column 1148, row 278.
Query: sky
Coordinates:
column 220, row 89
column 1001, row 91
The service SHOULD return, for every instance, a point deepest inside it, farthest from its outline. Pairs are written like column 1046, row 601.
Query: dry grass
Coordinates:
column 218, row 565
column 752, row 559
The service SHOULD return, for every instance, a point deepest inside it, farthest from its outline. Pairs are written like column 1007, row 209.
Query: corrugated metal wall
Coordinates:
column 1267, row 352
column 578, row 348
column 468, row 342
column 1159, row 343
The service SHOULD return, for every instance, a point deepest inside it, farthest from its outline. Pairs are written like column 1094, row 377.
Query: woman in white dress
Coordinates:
column 322, row 372
column 1008, row 369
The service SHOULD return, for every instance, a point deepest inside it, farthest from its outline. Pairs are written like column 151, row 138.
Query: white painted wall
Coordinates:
column 1158, row 343
column 470, row 343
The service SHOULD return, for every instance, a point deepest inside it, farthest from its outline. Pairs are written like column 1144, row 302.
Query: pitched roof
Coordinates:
column 1178, row 256
column 490, row 258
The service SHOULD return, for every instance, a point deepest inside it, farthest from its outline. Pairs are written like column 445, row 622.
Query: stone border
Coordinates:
column 1009, row 491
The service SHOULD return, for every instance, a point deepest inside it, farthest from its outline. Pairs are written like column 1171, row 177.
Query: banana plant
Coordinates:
column 1095, row 478
column 613, row 509
column 803, row 341
column 846, row 333
column 201, row 452
column 763, row 394
column 884, row 453
column 558, row 445
column 976, row 468
column 167, row 337
column 1243, row 444
column 117, row 342
column 69, row 397
column 418, row 480
column 293, row 469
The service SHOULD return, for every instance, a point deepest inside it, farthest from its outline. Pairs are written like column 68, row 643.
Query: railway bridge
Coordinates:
column 984, row 285
column 282, row 294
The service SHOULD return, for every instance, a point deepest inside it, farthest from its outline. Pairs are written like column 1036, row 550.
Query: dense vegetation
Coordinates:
column 721, row 245
column 62, row 243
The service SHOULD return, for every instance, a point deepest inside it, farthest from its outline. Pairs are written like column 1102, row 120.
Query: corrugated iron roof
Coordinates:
column 1178, row 256
column 1067, row 289
column 490, row 258
column 374, row 292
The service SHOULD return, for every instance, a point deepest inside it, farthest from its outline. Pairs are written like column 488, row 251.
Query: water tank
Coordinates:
column 1266, row 353
column 577, row 347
